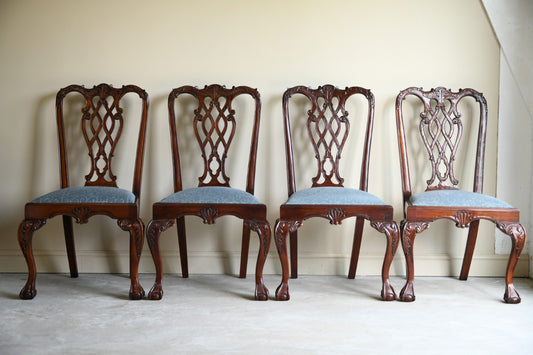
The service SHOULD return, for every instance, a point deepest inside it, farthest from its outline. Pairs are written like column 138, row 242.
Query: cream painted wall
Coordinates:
column 512, row 22
column 270, row 45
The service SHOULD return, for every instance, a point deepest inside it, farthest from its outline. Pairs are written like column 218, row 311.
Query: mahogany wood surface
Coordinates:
column 441, row 129
column 328, row 127
column 101, row 122
column 214, row 127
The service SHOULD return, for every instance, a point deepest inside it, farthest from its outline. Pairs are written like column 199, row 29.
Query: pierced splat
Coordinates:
column 328, row 128
column 441, row 130
column 101, row 124
column 214, row 128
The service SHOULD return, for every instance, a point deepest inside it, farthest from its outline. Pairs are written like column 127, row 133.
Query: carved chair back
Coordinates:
column 102, row 123
column 214, row 127
column 328, row 128
column 441, row 129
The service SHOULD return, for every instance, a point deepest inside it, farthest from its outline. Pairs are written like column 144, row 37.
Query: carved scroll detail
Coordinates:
column 517, row 232
column 32, row 224
column 389, row 228
column 26, row 229
column 159, row 226
column 410, row 229
column 261, row 227
column 285, row 226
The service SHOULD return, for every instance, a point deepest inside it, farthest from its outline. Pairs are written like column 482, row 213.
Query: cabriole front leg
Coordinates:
column 282, row 228
column 390, row 229
column 518, row 237
column 262, row 227
column 408, row 233
column 136, row 229
column 25, row 236
column 153, row 232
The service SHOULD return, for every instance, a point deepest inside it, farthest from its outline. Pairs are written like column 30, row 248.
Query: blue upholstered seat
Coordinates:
column 212, row 194
column 87, row 194
column 333, row 196
column 456, row 198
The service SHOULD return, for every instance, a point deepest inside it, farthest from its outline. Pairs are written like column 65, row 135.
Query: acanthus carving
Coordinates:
column 417, row 227
column 463, row 218
column 209, row 214
column 130, row 224
column 285, row 226
column 26, row 229
column 517, row 232
column 336, row 215
column 136, row 229
column 390, row 228
column 261, row 227
column 158, row 226
column 409, row 231
column 31, row 224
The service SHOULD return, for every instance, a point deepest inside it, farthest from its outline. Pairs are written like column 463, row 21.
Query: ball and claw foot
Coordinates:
column 511, row 295
column 261, row 292
column 136, row 292
column 408, row 293
column 282, row 293
column 156, row 293
column 387, row 292
column 28, row 292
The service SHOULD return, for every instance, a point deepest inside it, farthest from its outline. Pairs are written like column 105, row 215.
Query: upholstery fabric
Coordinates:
column 87, row 194
column 333, row 196
column 212, row 194
column 456, row 198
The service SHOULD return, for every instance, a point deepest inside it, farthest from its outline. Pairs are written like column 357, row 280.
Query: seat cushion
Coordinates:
column 87, row 194
column 456, row 198
column 333, row 196
column 212, row 194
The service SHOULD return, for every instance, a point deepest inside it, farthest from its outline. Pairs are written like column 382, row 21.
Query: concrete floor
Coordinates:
column 216, row 313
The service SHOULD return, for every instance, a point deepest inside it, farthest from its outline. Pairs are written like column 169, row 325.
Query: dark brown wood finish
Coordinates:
column 441, row 129
column 102, row 121
column 214, row 127
column 328, row 127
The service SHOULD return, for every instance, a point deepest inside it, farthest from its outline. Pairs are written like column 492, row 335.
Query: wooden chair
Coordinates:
column 101, row 123
column 441, row 127
column 328, row 127
column 214, row 127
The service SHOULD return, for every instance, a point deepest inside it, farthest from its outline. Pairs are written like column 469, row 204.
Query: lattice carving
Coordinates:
column 441, row 129
column 101, row 124
column 214, row 127
column 328, row 127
